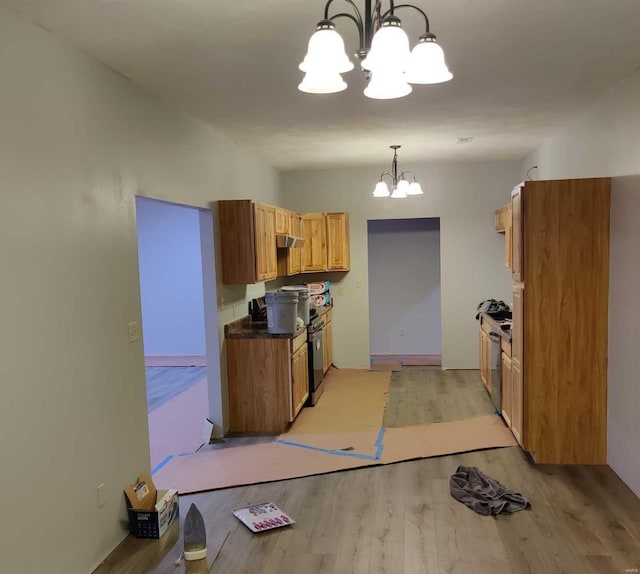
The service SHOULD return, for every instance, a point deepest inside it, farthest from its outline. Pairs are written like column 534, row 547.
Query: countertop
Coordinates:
column 244, row 328
column 497, row 325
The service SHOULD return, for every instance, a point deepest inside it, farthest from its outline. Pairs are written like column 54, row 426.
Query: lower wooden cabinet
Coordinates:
column 268, row 382
column 485, row 357
column 299, row 379
column 327, row 342
column 506, row 389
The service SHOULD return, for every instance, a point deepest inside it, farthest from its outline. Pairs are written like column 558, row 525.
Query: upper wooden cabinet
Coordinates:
column 247, row 242
column 282, row 221
column 290, row 259
column 314, row 255
column 337, row 241
column 326, row 242
column 249, row 249
column 503, row 224
column 517, row 238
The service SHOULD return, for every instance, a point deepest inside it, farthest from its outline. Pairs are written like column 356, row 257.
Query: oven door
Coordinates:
column 315, row 366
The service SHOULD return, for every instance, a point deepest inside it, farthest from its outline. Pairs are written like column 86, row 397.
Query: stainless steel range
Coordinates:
column 316, row 359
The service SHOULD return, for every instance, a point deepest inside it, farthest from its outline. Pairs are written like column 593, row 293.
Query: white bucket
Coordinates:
column 282, row 311
column 303, row 300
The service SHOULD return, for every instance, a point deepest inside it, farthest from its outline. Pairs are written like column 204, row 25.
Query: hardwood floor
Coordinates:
column 164, row 383
column 401, row 518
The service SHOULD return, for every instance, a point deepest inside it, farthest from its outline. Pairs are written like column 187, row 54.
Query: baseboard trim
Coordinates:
column 409, row 360
column 175, row 361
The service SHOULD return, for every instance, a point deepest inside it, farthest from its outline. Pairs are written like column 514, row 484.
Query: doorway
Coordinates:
column 175, row 247
column 404, row 291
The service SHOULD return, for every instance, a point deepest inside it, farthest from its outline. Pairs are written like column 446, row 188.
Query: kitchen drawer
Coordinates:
column 300, row 340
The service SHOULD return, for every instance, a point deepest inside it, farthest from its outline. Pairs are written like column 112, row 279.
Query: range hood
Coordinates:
column 284, row 241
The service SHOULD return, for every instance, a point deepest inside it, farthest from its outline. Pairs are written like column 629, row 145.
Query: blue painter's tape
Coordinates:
column 379, row 445
column 162, row 464
column 186, row 454
column 329, row 451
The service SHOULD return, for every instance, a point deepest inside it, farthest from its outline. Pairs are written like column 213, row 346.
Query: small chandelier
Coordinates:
column 400, row 187
column 383, row 52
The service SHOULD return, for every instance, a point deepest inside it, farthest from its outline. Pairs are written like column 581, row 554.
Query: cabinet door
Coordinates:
column 299, row 380
column 508, row 239
column 314, row 257
column 517, row 324
column 517, row 252
column 327, row 346
column 517, row 361
column 238, row 241
column 506, row 387
column 337, row 241
column 485, row 360
column 282, row 220
column 265, row 237
column 517, row 411
column 294, row 263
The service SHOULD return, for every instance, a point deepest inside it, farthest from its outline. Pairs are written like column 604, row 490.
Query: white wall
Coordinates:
column 605, row 141
column 77, row 143
column 170, row 264
column 464, row 197
column 404, row 287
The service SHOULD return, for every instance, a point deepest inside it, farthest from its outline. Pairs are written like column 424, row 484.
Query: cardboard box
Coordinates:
column 151, row 511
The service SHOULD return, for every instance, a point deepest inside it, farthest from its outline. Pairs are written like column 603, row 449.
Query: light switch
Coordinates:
column 358, row 284
column 134, row 332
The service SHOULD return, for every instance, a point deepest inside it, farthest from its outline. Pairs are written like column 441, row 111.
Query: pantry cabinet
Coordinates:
column 248, row 242
column 560, row 321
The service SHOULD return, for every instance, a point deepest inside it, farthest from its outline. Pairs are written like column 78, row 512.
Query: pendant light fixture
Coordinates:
column 386, row 59
column 400, row 186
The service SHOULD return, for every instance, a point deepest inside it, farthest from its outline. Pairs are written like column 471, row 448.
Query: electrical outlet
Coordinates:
column 402, row 331
column 358, row 284
column 340, row 290
column 134, row 332
column 101, row 495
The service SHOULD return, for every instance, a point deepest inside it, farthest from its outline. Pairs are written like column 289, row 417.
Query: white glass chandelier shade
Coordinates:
column 325, row 53
column 415, row 189
column 389, row 48
column 381, row 190
column 322, row 83
column 426, row 63
column 400, row 192
column 387, row 84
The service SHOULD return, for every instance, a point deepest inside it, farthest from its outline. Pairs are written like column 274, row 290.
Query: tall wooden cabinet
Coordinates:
column 560, row 269
column 248, row 242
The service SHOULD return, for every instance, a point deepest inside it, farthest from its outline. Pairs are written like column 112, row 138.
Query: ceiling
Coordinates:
column 521, row 69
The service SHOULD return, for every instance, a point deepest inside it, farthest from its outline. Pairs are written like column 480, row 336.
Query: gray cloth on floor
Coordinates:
column 484, row 494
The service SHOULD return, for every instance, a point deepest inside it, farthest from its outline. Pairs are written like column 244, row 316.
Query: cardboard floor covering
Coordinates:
column 353, row 400
column 321, row 453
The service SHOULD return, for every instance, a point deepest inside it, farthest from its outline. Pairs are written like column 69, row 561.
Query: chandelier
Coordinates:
column 383, row 52
column 400, row 187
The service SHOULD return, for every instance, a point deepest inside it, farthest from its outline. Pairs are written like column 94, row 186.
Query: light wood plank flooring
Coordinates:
column 401, row 519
